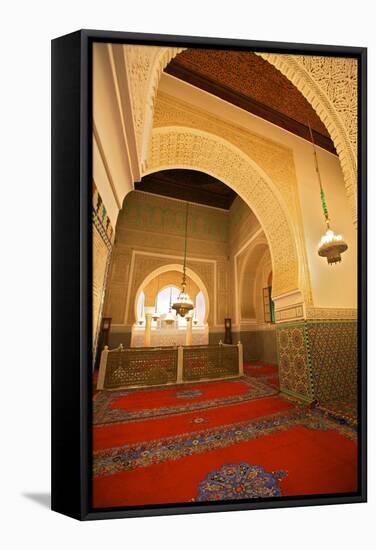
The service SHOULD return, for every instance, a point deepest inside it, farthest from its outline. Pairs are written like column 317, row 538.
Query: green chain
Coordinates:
column 323, row 202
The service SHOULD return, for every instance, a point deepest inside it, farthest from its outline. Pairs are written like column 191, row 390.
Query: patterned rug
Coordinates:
column 125, row 405
column 130, row 457
column 341, row 410
column 284, row 454
column 240, row 481
column 228, row 440
column 118, row 434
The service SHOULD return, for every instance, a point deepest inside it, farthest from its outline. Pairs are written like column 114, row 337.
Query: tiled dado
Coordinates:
column 293, row 360
column 318, row 359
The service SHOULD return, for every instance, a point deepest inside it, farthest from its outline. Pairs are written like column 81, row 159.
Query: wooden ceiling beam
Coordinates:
column 248, row 104
column 188, row 186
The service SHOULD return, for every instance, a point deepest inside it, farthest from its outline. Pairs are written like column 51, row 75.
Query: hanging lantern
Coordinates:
column 195, row 320
column 170, row 318
column 183, row 303
column 331, row 246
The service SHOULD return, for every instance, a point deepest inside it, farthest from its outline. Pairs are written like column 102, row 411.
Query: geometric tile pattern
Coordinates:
column 333, row 359
column 294, row 371
column 318, row 359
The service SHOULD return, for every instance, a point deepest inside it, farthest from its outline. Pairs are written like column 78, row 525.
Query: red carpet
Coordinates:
column 217, row 452
column 262, row 371
column 316, row 462
column 168, row 397
column 114, row 435
column 127, row 405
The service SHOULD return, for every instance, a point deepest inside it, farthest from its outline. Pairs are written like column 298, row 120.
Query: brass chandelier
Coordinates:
column 169, row 319
column 331, row 246
column 183, row 303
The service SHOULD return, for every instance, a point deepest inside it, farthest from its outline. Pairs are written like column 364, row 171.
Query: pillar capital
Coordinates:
column 148, row 310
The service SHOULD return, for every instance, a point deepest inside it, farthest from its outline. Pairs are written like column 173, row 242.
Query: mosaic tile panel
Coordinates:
column 318, row 359
column 333, row 359
column 294, row 371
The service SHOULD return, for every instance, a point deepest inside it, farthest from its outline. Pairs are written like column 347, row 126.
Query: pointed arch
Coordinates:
column 174, row 267
column 183, row 147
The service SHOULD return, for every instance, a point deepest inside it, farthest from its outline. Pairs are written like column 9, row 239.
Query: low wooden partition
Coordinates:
column 143, row 367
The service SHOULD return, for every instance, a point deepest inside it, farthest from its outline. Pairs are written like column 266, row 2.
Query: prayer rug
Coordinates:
column 118, row 406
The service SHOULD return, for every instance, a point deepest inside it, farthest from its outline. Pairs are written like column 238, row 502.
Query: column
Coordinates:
column 179, row 379
column 188, row 334
column 240, row 358
column 102, row 368
column 148, row 319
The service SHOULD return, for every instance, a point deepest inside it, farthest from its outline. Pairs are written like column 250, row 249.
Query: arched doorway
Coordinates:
column 181, row 147
column 309, row 74
column 155, row 295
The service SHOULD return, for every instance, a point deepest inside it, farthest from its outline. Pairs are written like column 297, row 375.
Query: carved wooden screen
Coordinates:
column 210, row 362
column 141, row 367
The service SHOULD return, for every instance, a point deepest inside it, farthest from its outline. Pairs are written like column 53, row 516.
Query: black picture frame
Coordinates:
column 71, row 272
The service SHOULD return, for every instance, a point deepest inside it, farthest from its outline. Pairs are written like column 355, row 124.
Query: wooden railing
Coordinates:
column 142, row 367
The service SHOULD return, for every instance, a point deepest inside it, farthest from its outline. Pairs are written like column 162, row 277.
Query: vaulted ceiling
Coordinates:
column 248, row 81
column 188, row 185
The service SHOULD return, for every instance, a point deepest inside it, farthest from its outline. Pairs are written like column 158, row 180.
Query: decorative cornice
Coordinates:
column 290, row 313
column 327, row 313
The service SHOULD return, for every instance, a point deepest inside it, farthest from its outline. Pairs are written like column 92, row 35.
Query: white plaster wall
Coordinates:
column 332, row 286
column 103, row 185
column 107, row 122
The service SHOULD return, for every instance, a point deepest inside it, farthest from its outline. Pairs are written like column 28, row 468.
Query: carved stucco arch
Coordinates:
column 181, row 147
column 174, row 267
column 328, row 83
column 145, row 66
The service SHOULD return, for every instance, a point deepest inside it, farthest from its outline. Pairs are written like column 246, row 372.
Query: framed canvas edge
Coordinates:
column 82, row 509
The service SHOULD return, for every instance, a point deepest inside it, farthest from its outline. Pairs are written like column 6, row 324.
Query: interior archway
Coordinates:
column 181, row 147
column 236, row 250
column 247, row 296
column 307, row 77
column 175, row 267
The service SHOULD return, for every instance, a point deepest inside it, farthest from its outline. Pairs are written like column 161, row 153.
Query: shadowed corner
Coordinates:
column 43, row 499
